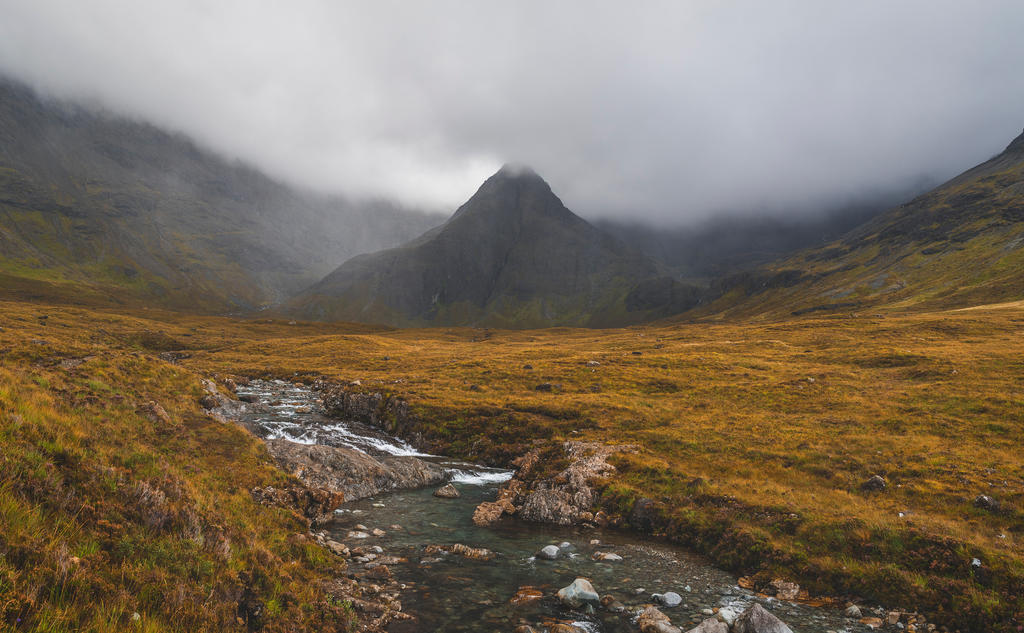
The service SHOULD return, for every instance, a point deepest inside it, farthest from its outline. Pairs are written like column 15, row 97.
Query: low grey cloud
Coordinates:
column 665, row 111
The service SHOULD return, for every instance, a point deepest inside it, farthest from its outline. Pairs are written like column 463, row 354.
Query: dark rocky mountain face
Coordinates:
column 512, row 256
column 103, row 207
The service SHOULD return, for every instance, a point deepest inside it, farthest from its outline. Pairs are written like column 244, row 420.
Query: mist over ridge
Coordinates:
column 672, row 114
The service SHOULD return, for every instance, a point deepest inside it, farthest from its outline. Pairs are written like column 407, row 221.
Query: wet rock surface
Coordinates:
column 331, row 455
column 668, row 599
column 578, row 593
column 757, row 619
column 447, row 491
column 351, row 472
column 652, row 620
column 711, row 625
column 562, row 499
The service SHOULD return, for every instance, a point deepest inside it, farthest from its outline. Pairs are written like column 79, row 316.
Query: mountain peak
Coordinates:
column 512, row 255
column 514, row 193
column 515, row 174
column 517, row 171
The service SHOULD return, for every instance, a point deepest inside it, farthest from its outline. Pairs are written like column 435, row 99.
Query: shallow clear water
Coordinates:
column 453, row 593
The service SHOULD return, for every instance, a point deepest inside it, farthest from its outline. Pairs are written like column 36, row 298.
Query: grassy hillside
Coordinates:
column 755, row 438
column 120, row 208
column 957, row 245
column 124, row 505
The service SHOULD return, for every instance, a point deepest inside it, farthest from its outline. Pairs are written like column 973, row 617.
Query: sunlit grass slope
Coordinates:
column 116, row 515
column 754, row 438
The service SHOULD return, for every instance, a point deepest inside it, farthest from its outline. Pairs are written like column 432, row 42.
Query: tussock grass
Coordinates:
column 106, row 513
column 755, row 436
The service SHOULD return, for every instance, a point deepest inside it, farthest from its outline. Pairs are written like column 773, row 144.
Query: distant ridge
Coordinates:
column 958, row 245
column 105, row 209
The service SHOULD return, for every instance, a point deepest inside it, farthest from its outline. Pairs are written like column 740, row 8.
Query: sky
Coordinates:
column 668, row 112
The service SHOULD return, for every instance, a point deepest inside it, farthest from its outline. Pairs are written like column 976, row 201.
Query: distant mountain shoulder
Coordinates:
column 957, row 245
column 512, row 256
column 102, row 209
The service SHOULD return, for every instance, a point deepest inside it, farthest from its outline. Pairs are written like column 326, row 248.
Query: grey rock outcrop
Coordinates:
column 986, row 502
column 315, row 504
column 351, row 472
column 564, row 499
column 875, row 483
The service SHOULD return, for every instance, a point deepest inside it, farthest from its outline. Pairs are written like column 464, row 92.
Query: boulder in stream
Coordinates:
column 711, row 625
column 727, row 614
column 757, row 619
column 447, row 491
column 668, row 599
column 606, row 557
column 337, row 548
column 562, row 499
column 651, row 620
column 548, row 552
column 578, row 593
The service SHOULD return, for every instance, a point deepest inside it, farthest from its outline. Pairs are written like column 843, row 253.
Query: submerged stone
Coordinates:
column 668, row 599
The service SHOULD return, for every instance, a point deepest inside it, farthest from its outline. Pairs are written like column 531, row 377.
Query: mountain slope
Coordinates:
column 102, row 207
column 511, row 256
column 730, row 243
column 957, row 245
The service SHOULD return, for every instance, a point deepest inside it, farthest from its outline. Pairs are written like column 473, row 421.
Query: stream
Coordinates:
column 452, row 593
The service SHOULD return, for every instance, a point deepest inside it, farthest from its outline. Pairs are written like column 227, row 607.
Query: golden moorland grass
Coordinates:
column 755, row 437
column 116, row 514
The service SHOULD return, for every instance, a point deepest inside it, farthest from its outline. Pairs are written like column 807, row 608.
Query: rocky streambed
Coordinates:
column 408, row 529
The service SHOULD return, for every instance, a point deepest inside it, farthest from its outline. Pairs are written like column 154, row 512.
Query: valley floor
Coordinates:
column 756, row 441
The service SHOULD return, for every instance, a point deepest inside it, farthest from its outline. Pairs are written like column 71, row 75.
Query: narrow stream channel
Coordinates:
column 452, row 593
